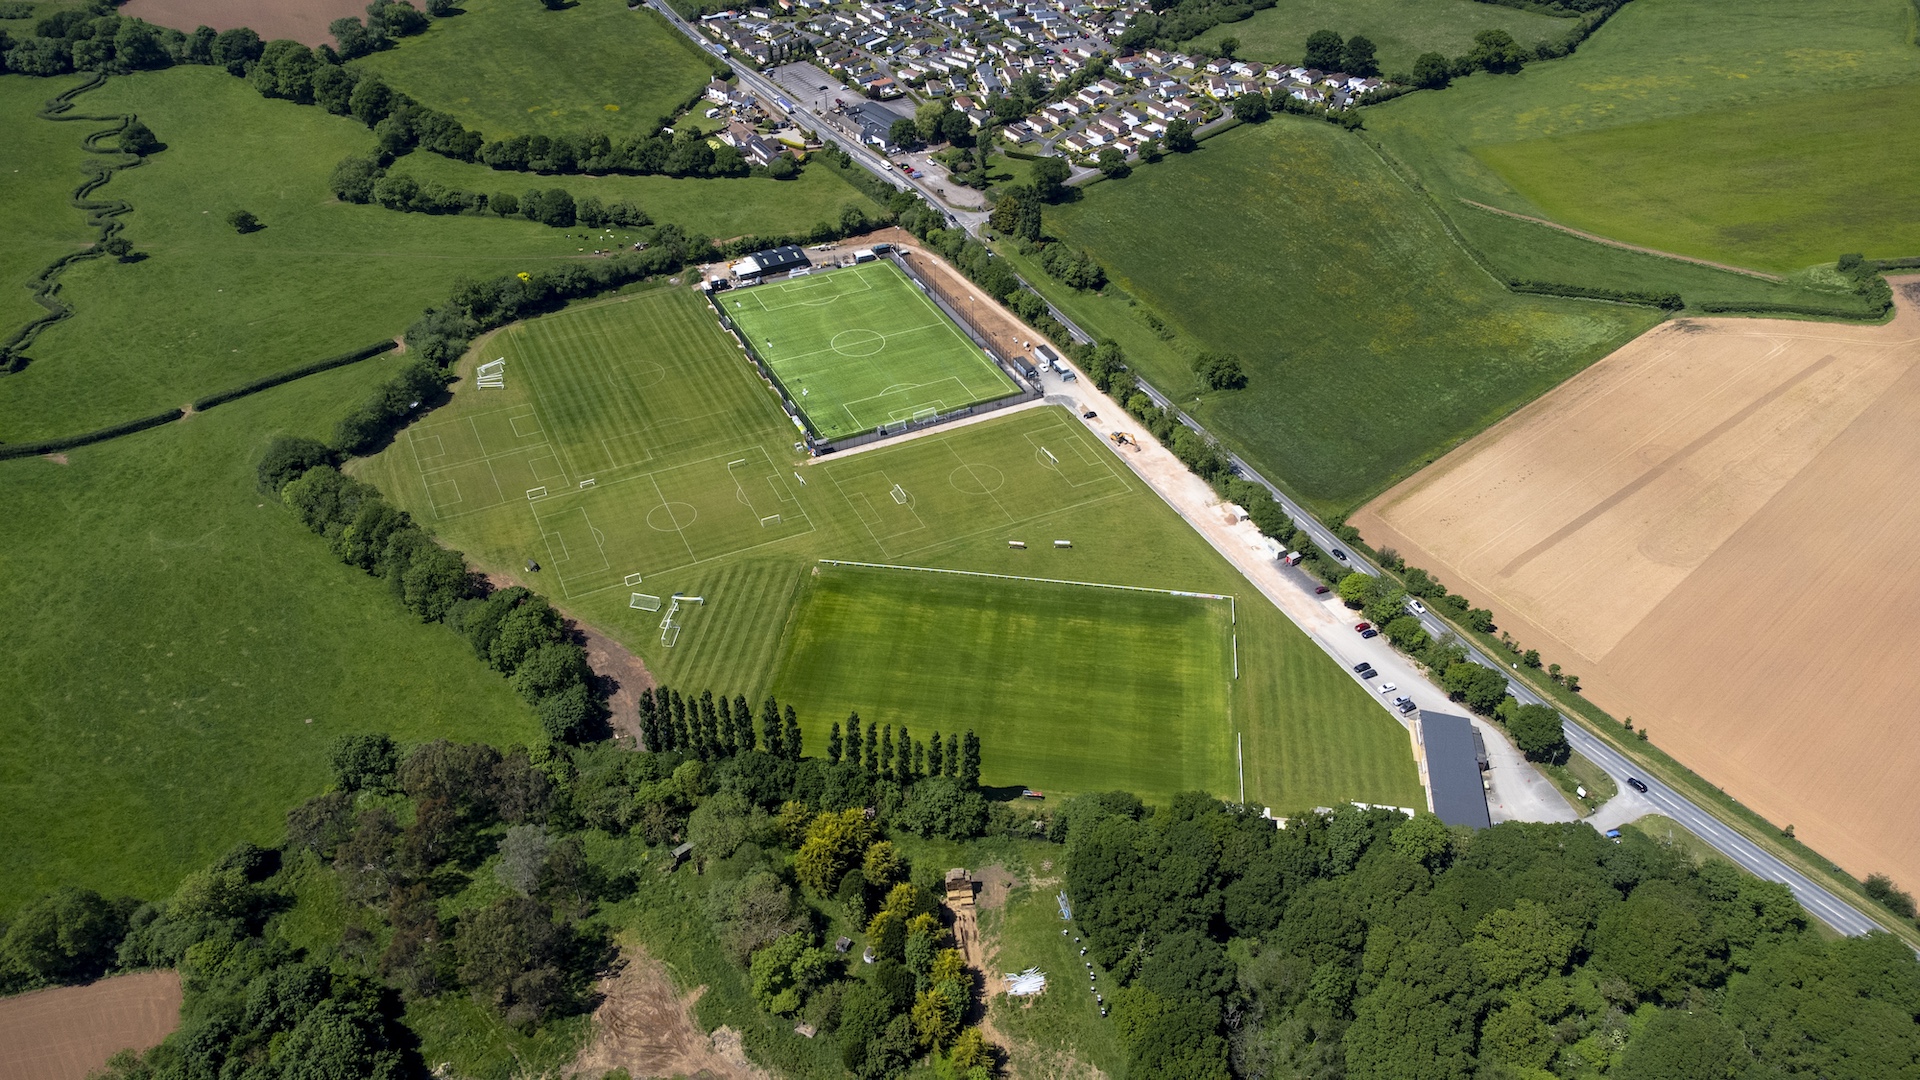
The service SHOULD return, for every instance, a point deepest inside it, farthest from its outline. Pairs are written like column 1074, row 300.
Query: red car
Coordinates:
column 1363, row 627
column 1322, row 591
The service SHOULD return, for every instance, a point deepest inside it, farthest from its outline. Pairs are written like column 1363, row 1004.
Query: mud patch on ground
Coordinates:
column 995, row 885
column 646, row 1026
column 67, row 1033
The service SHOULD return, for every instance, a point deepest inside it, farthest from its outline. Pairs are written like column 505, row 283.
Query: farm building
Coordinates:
column 772, row 261
column 1453, row 771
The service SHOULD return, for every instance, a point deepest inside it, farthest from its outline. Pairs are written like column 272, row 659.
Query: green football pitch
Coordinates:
column 1078, row 686
column 863, row 347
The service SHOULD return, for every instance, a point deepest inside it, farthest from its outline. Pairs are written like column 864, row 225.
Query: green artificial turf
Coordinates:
column 181, row 652
column 516, row 67
column 690, row 456
column 862, row 348
column 38, row 173
column 1400, row 29
column 1371, row 340
column 723, row 208
column 1753, row 132
column 1074, row 686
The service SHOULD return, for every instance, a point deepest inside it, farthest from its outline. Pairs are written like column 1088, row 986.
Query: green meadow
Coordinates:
column 1373, row 342
column 1401, row 29
column 37, row 174
column 723, row 208
column 696, row 490
column 181, row 652
column 507, row 67
column 1754, row 132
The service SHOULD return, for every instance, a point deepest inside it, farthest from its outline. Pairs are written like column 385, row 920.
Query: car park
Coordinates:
column 1637, row 784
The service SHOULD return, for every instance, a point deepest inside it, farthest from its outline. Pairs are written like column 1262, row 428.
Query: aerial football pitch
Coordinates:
column 862, row 348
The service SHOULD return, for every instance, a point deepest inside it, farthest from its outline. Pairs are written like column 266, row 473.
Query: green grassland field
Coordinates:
column 510, row 68
column 724, row 208
column 1764, row 133
column 863, row 347
column 207, row 308
column 181, row 652
column 697, row 489
column 39, row 169
column 1087, row 687
column 1372, row 341
column 1401, row 29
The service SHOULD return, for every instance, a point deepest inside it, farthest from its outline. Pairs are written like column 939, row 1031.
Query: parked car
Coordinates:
column 1363, row 665
column 1367, row 673
column 1407, row 706
column 1613, row 835
column 1637, row 784
column 1387, row 688
column 1363, row 627
column 1369, row 633
column 1089, row 415
column 1416, row 607
column 1321, row 590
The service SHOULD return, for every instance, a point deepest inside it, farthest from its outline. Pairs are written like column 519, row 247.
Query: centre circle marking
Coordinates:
column 858, row 342
column 976, row 479
column 671, row 517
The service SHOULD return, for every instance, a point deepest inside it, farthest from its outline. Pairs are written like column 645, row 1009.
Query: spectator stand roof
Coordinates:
column 1453, row 773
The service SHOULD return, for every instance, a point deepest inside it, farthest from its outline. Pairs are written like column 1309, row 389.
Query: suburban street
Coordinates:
column 1518, row 799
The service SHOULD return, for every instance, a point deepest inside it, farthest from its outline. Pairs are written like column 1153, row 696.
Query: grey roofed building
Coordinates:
column 1453, row 774
column 771, row 261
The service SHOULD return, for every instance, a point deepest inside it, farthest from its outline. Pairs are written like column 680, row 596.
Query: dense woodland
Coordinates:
column 1366, row 945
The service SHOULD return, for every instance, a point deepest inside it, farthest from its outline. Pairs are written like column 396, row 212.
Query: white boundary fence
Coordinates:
column 1232, row 604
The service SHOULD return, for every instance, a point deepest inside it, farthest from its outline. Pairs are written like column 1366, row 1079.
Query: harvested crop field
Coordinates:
column 304, row 21
column 1715, row 528
column 65, row 1034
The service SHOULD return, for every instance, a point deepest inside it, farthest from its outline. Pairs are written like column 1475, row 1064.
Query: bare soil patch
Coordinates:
column 1715, row 528
column 646, row 1026
column 304, row 21
column 66, row 1033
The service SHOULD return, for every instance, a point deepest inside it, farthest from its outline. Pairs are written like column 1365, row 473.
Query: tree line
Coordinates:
column 1361, row 944
column 467, row 870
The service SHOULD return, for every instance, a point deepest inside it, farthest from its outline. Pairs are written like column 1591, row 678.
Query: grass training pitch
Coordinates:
column 1083, row 687
column 1400, row 29
column 862, row 348
column 697, row 489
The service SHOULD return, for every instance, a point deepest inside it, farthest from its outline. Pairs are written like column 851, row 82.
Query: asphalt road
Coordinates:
column 1823, row 904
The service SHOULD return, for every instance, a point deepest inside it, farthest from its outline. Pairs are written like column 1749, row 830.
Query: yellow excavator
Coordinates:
column 1121, row 438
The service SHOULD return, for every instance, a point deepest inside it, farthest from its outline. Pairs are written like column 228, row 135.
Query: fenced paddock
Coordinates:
column 862, row 348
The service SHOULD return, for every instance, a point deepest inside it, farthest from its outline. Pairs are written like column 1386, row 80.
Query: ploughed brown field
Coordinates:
column 304, row 21
column 1718, row 529
column 65, row 1034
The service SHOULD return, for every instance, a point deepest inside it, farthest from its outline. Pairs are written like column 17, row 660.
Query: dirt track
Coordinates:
column 1715, row 528
column 645, row 1026
column 65, row 1034
column 304, row 21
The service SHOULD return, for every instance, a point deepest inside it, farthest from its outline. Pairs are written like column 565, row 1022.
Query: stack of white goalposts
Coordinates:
column 492, row 375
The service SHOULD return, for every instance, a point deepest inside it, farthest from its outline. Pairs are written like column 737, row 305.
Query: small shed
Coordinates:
column 842, row 945
column 681, row 854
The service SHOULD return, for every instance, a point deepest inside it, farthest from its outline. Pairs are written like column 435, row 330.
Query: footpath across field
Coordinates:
column 863, row 347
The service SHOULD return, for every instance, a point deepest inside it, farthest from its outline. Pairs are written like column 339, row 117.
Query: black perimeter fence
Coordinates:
column 818, row 446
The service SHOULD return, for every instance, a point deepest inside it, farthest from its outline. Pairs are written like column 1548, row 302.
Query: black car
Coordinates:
column 1637, row 784
column 1338, row 554
column 1088, row 415
column 1363, row 665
